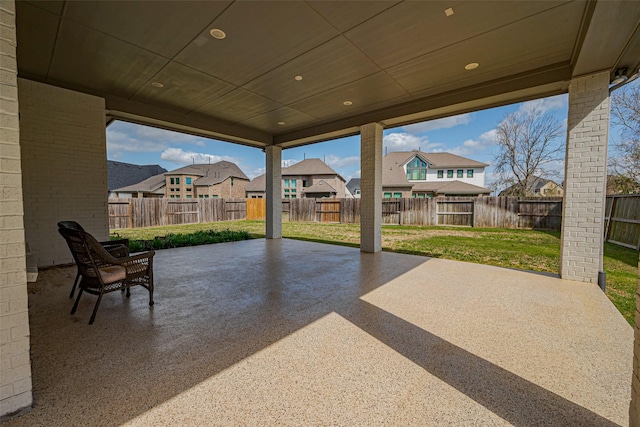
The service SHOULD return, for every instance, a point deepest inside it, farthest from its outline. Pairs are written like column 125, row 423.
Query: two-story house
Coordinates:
column 416, row 174
column 310, row 178
column 218, row 180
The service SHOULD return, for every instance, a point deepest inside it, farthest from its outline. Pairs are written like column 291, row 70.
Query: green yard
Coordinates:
column 522, row 249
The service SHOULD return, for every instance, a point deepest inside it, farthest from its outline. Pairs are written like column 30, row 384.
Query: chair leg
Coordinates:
column 75, row 306
column 128, row 291
column 151, row 289
column 75, row 283
column 95, row 309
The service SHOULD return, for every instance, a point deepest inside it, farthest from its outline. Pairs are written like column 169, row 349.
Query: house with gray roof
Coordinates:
column 311, row 178
column 353, row 187
column 416, row 174
column 218, row 180
column 121, row 174
column 223, row 180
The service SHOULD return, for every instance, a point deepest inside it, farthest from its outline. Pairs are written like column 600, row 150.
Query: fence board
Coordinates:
column 256, row 209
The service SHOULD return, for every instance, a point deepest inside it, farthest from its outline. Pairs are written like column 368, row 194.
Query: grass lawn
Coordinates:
column 522, row 249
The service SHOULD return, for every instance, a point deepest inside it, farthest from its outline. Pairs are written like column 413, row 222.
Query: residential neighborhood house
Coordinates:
column 120, row 174
column 310, row 178
column 419, row 175
column 353, row 186
column 539, row 187
column 218, row 180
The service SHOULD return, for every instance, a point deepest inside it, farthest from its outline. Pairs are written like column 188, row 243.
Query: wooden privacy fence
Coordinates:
column 622, row 222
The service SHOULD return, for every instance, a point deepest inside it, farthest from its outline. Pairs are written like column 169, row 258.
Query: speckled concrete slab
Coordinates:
column 296, row 333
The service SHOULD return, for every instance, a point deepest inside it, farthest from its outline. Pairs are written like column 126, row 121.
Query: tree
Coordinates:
column 528, row 146
column 624, row 160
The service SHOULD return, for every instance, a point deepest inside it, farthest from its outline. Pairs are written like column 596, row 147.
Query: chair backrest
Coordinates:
column 88, row 254
column 71, row 225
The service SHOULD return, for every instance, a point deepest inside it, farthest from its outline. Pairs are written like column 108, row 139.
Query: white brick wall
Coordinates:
column 585, row 178
column 64, row 164
column 371, row 187
column 15, row 364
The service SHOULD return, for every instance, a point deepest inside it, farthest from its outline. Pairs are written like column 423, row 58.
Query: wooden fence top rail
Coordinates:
column 454, row 213
column 182, row 213
column 630, row 221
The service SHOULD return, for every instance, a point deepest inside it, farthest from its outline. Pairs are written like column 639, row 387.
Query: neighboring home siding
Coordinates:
column 478, row 175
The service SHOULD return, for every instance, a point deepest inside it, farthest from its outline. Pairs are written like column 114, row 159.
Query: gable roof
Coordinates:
column 303, row 168
column 320, row 187
column 459, row 187
column 154, row 184
column 120, row 174
column 210, row 173
column 353, row 185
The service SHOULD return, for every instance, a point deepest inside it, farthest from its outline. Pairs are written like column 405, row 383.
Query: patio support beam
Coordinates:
column 274, row 192
column 371, row 187
column 585, row 178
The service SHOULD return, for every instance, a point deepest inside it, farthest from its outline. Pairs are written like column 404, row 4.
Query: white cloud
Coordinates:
column 402, row 141
column 546, row 104
column 128, row 137
column 444, row 123
column 256, row 172
column 181, row 157
column 337, row 162
column 482, row 143
column 289, row 162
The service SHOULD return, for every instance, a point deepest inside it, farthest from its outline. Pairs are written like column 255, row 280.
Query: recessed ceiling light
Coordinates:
column 448, row 12
column 157, row 84
column 281, row 123
column 471, row 66
column 347, row 103
column 217, row 33
column 298, row 78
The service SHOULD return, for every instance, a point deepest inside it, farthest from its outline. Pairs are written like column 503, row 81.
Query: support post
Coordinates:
column 274, row 192
column 371, row 187
column 585, row 178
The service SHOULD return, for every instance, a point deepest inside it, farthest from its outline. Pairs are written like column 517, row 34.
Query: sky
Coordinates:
column 469, row 135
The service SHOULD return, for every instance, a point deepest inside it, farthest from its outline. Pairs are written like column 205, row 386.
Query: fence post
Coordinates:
column 609, row 216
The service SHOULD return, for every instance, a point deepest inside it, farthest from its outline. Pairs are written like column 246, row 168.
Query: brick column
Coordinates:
column 585, row 178
column 15, row 363
column 274, row 192
column 371, row 187
column 634, row 409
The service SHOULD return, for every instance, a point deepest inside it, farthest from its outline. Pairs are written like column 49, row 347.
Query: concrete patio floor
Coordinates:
column 284, row 332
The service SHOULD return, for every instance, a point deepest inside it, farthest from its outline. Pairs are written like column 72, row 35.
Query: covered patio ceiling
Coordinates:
column 392, row 62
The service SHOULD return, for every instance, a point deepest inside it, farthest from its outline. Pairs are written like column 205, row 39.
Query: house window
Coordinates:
column 286, row 191
column 357, row 191
column 397, row 195
column 286, row 196
column 460, row 173
column 189, row 196
column 215, row 196
column 177, row 181
column 304, row 183
column 293, row 196
column 387, row 195
column 188, row 181
column 286, row 183
column 469, row 173
column 450, row 173
column 440, row 174
column 172, row 180
column 416, row 169
column 232, row 181
column 189, row 189
column 293, row 183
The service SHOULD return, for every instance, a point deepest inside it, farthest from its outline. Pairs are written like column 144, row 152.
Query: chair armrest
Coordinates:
column 124, row 242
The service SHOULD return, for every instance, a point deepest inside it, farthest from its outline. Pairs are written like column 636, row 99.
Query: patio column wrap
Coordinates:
column 585, row 178
column 15, row 369
column 371, row 187
column 274, row 192
column 634, row 410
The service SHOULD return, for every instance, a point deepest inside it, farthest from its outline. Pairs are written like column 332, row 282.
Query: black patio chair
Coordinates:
column 117, row 248
column 102, row 273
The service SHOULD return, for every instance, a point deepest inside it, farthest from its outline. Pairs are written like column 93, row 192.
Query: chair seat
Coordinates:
column 113, row 273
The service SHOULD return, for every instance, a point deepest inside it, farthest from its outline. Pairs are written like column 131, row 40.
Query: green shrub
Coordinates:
column 191, row 239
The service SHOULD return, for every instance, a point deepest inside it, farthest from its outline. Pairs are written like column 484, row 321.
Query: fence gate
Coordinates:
column 256, row 209
column 455, row 212
column 392, row 211
column 327, row 210
column 183, row 212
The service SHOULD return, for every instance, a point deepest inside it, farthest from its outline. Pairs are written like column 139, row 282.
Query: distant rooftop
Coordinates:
column 122, row 174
